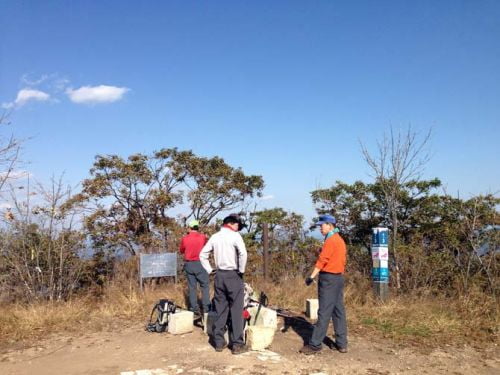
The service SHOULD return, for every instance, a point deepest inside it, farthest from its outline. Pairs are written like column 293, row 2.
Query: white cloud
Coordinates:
column 96, row 94
column 26, row 95
column 48, row 86
column 266, row 197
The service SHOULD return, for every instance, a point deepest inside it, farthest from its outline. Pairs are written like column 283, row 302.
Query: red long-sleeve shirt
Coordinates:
column 191, row 245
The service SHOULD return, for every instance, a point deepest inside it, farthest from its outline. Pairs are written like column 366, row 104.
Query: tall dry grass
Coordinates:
column 422, row 319
column 119, row 305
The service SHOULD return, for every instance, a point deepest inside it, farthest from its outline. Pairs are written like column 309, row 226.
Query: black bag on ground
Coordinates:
column 160, row 316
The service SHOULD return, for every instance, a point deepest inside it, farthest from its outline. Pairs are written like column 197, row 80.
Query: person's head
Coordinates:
column 233, row 222
column 194, row 225
column 326, row 224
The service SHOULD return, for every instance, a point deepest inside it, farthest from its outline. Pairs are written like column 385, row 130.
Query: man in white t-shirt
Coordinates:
column 230, row 256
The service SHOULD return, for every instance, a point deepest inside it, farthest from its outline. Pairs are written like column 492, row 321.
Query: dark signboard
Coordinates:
column 158, row 265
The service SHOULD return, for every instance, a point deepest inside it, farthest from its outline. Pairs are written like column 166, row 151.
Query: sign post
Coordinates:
column 157, row 265
column 380, row 258
column 265, row 249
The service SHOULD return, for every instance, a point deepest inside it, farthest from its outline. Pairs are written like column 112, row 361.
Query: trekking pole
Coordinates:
column 262, row 301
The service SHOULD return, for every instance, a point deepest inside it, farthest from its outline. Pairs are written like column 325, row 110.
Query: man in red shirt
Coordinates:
column 191, row 245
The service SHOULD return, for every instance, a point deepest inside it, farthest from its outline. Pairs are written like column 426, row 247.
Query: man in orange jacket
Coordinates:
column 331, row 267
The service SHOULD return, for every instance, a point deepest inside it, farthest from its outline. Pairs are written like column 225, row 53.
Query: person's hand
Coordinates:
column 309, row 280
column 240, row 274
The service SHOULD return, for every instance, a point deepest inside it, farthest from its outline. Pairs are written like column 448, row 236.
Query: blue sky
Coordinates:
column 283, row 89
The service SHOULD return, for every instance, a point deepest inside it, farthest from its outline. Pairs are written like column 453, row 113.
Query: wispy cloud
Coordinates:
column 266, row 197
column 60, row 84
column 96, row 94
column 27, row 79
column 16, row 175
column 26, row 95
column 52, row 82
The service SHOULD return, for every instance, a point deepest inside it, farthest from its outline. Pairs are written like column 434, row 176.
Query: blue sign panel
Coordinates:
column 380, row 274
column 158, row 265
column 380, row 237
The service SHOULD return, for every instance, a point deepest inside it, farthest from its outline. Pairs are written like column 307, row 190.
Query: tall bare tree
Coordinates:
column 41, row 258
column 400, row 158
column 9, row 152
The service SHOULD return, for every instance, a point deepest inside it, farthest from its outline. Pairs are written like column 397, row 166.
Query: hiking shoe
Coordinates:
column 239, row 349
column 340, row 349
column 308, row 350
column 220, row 348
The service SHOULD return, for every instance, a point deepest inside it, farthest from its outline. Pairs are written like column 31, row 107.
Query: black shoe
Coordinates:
column 308, row 350
column 217, row 347
column 340, row 349
column 220, row 348
column 239, row 349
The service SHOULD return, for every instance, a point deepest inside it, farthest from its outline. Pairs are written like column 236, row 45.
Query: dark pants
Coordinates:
column 196, row 274
column 229, row 295
column 331, row 305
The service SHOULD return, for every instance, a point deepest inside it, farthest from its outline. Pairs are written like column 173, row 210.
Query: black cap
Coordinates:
column 234, row 219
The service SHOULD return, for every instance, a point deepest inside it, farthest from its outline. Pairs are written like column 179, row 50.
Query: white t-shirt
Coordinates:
column 229, row 250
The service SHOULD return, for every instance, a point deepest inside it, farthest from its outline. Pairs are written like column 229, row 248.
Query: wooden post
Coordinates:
column 265, row 246
column 140, row 275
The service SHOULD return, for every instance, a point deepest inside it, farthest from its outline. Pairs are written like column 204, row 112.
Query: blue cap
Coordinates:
column 324, row 219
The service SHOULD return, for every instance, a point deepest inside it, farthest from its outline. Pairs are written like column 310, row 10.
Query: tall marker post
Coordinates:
column 380, row 258
column 265, row 249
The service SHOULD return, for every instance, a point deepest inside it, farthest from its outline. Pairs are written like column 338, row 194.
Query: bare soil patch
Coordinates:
column 130, row 350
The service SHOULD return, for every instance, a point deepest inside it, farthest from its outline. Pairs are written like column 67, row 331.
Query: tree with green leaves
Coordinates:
column 440, row 237
column 130, row 201
column 355, row 207
column 289, row 247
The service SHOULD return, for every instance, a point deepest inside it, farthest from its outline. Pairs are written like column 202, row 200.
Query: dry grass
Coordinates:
column 428, row 320
column 119, row 305
column 406, row 319
column 290, row 294
column 418, row 319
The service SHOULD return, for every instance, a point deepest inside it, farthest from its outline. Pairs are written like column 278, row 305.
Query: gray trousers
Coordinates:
column 196, row 274
column 229, row 295
column 331, row 305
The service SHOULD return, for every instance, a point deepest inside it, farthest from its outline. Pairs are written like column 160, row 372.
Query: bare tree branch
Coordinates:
column 401, row 158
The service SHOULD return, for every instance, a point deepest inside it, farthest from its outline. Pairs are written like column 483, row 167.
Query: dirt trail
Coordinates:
column 132, row 351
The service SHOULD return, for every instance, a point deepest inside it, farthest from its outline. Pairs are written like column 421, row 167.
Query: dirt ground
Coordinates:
column 133, row 351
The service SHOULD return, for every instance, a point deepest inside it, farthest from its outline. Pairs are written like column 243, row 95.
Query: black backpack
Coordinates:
column 162, row 311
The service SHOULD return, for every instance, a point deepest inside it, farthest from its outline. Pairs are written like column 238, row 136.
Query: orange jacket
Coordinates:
column 333, row 255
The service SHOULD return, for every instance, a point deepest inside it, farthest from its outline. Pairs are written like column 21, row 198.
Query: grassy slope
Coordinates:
column 406, row 319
